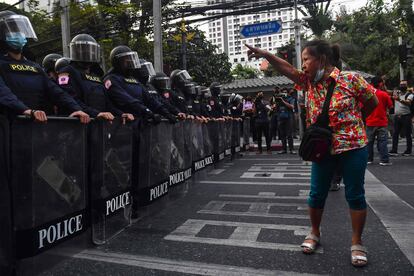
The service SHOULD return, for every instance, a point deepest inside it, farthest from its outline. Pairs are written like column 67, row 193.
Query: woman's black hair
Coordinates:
column 320, row 47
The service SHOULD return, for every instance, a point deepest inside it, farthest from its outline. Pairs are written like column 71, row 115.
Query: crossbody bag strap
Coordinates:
column 323, row 118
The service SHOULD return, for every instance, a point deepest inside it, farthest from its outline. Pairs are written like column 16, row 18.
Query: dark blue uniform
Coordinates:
column 24, row 85
column 216, row 108
column 127, row 94
column 155, row 95
column 88, row 91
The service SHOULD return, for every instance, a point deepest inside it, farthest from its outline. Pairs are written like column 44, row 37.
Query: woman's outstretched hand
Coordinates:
column 254, row 52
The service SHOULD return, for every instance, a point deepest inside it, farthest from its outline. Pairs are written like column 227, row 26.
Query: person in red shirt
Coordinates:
column 377, row 123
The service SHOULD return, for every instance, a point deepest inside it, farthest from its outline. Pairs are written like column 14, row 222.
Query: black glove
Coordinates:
column 150, row 117
column 171, row 118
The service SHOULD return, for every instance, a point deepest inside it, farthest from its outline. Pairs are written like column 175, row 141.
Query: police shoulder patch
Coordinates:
column 23, row 68
column 63, row 79
column 93, row 78
column 108, row 84
column 131, row 80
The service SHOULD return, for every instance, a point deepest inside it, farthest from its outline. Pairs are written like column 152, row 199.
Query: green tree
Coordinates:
column 320, row 19
column 244, row 72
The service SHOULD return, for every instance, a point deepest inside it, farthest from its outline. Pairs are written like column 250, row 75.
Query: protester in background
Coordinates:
column 273, row 117
column 377, row 123
column 402, row 119
column 248, row 111
column 261, row 122
column 284, row 110
column 349, row 151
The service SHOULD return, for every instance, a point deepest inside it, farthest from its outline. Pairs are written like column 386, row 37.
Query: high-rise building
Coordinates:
column 225, row 32
column 46, row 5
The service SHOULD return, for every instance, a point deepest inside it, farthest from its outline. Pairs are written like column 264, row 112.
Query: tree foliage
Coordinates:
column 319, row 20
column 244, row 72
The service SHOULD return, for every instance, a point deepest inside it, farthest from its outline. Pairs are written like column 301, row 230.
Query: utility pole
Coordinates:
column 183, row 51
column 158, row 56
column 65, row 23
column 298, row 48
column 400, row 43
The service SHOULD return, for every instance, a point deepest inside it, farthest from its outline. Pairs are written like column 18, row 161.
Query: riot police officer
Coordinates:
column 235, row 105
column 48, row 65
column 161, row 83
column 180, row 85
column 82, row 79
column 217, row 110
column 126, row 92
column 24, row 86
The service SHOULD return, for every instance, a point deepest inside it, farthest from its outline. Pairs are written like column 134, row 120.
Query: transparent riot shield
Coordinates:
column 6, row 240
column 49, row 191
column 208, row 147
column 246, row 133
column 216, row 133
column 228, row 129
column 110, row 152
column 235, row 137
column 153, row 162
column 197, row 142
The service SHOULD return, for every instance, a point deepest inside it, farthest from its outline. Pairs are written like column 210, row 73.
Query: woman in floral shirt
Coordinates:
column 352, row 97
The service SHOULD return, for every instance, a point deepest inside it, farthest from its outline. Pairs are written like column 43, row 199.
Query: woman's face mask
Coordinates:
column 319, row 74
column 16, row 41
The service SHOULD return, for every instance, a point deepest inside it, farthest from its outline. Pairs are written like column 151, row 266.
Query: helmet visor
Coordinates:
column 85, row 51
column 184, row 76
column 17, row 24
column 190, row 88
column 207, row 93
column 163, row 83
column 148, row 69
column 129, row 60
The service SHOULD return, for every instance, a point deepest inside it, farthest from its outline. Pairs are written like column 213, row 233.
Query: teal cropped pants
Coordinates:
column 352, row 164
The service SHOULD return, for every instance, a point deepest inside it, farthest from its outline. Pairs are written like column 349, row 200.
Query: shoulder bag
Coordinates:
column 317, row 139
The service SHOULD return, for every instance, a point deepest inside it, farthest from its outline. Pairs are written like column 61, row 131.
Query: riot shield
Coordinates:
column 215, row 130
column 6, row 237
column 49, row 191
column 180, row 168
column 246, row 134
column 197, row 142
column 235, row 137
column 228, row 130
column 110, row 151
column 153, row 162
column 208, row 147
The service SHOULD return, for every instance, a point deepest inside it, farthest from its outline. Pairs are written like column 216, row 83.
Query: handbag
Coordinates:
column 317, row 139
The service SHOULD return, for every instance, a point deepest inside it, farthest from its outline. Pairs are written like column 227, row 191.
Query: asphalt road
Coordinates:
column 248, row 217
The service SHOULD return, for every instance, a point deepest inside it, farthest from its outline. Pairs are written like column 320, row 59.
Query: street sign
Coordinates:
column 259, row 29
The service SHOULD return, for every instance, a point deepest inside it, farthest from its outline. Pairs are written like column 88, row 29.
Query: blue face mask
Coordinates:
column 16, row 41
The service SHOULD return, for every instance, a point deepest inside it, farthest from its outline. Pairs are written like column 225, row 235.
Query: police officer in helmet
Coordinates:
column 82, row 79
column 179, row 79
column 124, row 89
column 160, row 82
column 48, row 65
column 217, row 110
column 24, row 86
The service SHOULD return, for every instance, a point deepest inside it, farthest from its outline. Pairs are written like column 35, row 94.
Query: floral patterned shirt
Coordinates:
column 345, row 117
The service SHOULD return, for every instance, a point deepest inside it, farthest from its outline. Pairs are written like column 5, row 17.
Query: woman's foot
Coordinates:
column 359, row 255
column 310, row 244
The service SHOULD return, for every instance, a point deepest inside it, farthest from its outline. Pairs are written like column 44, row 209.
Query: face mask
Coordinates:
column 319, row 75
column 16, row 41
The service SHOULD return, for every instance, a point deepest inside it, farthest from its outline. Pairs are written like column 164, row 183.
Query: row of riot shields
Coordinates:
column 64, row 184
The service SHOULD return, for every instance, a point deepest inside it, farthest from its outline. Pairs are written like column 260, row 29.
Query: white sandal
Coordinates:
column 309, row 248
column 359, row 260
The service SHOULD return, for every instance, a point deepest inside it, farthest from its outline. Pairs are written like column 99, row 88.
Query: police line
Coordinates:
column 68, row 182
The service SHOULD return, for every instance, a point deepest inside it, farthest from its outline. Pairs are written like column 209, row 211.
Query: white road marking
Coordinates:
column 307, row 164
column 395, row 214
column 279, row 169
column 255, row 209
column 245, row 234
column 255, row 183
column 292, row 175
column 179, row 266
column 264, row 196
column 217, row 171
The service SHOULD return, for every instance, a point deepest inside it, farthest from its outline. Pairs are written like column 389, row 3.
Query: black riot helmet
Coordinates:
column 123, row 59
column 160, row 81
column 61, row 63
column 180, row 78
column 49, row 61
column 235, row 99
column 197, row 89
column 12, row 23
column 215, row 89
column 84, row 48
column 205, row 91
column 147, row 69
column 189, row 89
